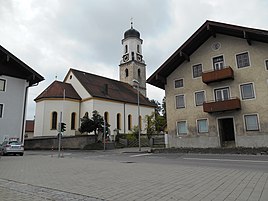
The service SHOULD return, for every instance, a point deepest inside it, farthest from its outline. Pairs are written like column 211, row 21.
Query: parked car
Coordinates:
column 12, row 146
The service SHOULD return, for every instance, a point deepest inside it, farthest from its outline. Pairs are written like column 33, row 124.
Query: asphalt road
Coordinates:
column 234, row 161
column 126, row 174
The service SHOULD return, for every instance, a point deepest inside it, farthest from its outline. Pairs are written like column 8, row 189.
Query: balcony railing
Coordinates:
column 221, row 106
column 218, row 75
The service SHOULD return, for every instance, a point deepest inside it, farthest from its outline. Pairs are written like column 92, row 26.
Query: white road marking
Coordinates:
column 147, row 154
column 225, row 160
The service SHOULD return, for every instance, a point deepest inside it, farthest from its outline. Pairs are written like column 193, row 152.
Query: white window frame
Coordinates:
column 195, row 102
column 183, row 101
column 223, row 87
column 177, row 128
column 213, row 62
column 179, row 80
column 193, row 70
column 2, row 110
column 5, row 84
column 197, row 125
column 241, row 93
column 248, row 60
column 266, row 64
column 258, row 122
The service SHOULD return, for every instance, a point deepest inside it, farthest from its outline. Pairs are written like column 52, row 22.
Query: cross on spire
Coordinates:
column 131, row 22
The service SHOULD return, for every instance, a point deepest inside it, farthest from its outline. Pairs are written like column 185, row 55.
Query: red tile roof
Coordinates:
column 29, row 127
column 56, row 90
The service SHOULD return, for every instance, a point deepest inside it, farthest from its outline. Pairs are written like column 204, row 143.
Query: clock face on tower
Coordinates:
column 125, row 58
column 139, row 58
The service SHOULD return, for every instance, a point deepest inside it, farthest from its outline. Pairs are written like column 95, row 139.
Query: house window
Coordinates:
column 218, row 63
column 1, row 110
column 242, row 60
column 106, row 117
column 54, row 121
column 247, row 91
column 202, row 125
column 182, row 128
column 73, row 121
column 178, row 83
column 251, row 122
column 129, row 120
column 118, row 121
column 2, row 85
column 222, row 94
column 180, row 103
column 197, row 70
column 126, row 72
column 199, row 98
column 266, row 64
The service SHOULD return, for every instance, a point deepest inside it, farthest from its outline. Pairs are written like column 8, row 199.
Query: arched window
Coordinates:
column 73, row 121
column 129, row 121
column 118, row 121
column 139, row 72
column 126, row 48
column 138, row 48
column 132, row 56
column 106, row 117
column 54, row 119
column 126, row 71
column 140, row 122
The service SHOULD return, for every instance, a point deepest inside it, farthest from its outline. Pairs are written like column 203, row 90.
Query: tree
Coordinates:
column 96, row 124
column 164, row 108
column 150, row 125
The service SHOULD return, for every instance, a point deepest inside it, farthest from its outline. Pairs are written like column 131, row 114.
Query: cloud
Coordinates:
column 52, row 36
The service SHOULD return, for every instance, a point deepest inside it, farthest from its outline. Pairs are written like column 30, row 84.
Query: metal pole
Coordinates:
column 59, row 135
column 139, row 117
column 104, row 136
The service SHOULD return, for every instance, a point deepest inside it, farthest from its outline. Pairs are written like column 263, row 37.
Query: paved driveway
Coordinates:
column 42, row 177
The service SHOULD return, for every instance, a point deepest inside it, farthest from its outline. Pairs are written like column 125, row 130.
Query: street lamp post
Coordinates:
column 139, row 126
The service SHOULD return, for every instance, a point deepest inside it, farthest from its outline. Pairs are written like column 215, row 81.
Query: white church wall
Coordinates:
column 39, row 118
column 71, row 79
column 43, row 116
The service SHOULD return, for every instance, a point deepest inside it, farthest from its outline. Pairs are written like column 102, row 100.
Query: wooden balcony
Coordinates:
column 218, row 75
column 221, row 106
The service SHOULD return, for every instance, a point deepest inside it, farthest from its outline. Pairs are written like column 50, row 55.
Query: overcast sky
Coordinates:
column 52, row 36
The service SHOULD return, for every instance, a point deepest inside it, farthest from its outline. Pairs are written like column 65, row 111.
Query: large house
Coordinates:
column 216, row 87
column 15, row 79
column 80, row 93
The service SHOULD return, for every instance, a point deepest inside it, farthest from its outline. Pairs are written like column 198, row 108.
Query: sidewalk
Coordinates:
column 42, row 177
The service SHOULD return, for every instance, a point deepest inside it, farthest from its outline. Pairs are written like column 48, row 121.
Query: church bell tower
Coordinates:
column 132, row 66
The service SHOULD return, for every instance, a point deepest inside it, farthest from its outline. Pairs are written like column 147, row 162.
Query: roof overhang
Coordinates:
column 11, row 66
column 207, row 30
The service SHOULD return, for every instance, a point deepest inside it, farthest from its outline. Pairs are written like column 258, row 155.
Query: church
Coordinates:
column 81, row 93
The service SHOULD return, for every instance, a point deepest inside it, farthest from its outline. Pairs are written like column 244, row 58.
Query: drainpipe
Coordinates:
column 24, row 111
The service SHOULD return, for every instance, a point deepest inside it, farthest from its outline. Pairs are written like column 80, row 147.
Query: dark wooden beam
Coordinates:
column 212, row 31
column 184, row 55
column 160, row 78
column 246, row 36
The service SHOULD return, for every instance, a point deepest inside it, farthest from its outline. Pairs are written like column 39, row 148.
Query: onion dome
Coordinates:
column 131, row 33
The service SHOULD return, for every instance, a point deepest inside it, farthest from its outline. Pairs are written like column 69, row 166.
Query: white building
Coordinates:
column 15, row 79
column 83, row 92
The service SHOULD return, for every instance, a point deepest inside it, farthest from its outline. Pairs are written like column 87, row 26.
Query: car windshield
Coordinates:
column 14, row 143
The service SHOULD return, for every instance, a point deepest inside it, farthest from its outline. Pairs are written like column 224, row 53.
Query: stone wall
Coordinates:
column 67, row 142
